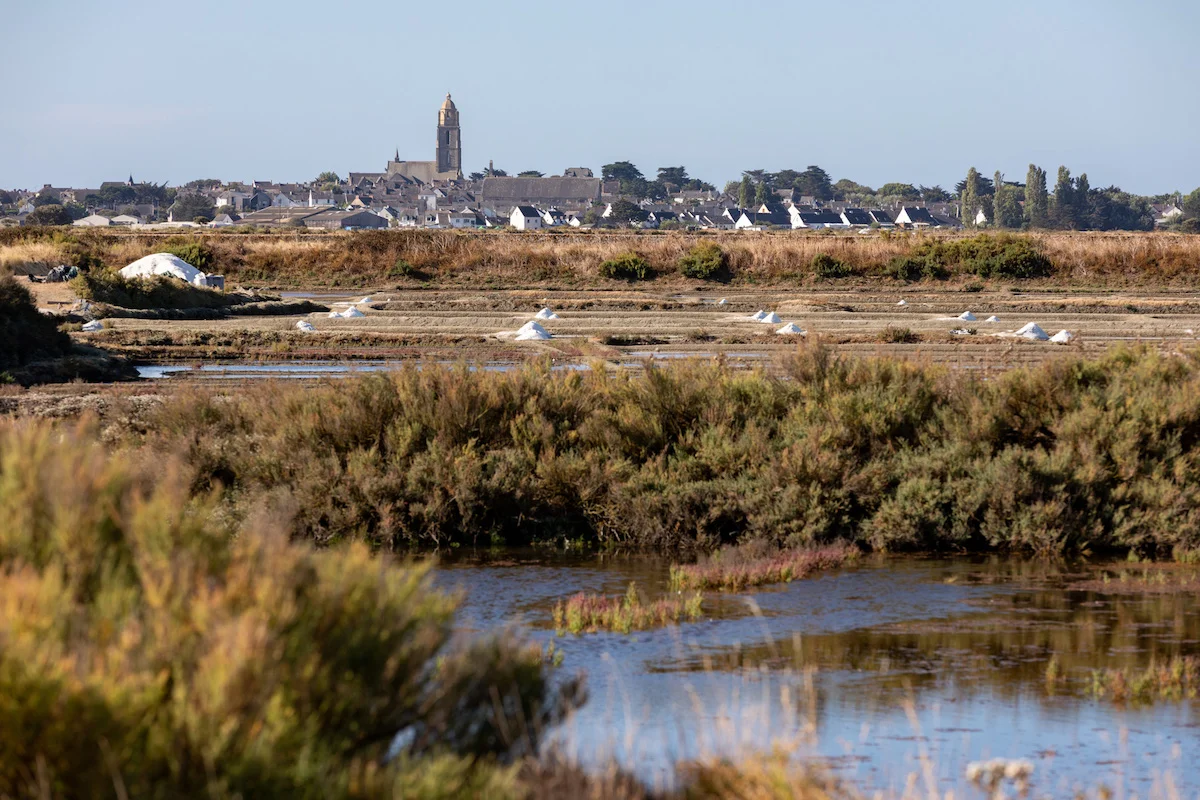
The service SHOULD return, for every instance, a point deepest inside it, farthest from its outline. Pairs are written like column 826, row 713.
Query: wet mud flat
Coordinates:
column 888, row 669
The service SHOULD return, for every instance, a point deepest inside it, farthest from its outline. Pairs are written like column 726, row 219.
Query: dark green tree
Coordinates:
column 1006, row 211
column 215, row 183
column 50, row 214
column 934, row 194
column 846, row 189
column 626, row 211
column 530, row 173
column 47, row 199
column 969, row 197
column 985, row 188
column 191, row 206
column 761, row 195
column 814, row 182
column 904, row 191
column 1191, row 205
column 745, row 192
column 673, row 175
column 621, row 171
column 1036, row 199
column 1062, row 205
column 1083, row 203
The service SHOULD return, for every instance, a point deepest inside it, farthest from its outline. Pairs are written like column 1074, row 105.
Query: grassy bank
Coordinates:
column 575, row 259
column 588, row 613
column 1073, row 456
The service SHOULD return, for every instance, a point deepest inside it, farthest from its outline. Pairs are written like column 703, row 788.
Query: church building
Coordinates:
column 447, row 165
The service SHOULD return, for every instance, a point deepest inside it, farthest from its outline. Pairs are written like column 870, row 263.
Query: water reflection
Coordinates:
column 871, row 666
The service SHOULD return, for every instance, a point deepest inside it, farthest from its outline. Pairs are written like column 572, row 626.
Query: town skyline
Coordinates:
column 984, row 87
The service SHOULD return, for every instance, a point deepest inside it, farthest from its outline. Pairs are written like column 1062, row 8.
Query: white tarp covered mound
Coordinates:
column 531, row 331
column 791, row 327
column 771, row 318
column 545, row 313
column 306, row 326
column 1031, row 330
column 1062, row 337
column 992, row 318
column 163, row 264
column 967, row 316
column 97, row 325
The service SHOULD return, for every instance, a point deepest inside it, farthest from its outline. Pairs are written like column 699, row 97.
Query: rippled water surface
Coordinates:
column 872, row 668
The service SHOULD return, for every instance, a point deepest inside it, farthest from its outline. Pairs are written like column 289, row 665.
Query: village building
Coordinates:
column 447, row 163
column 526, row 218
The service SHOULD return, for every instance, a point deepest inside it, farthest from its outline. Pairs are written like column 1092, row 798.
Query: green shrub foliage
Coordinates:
column 151, row 646
column 627, row 267
column 826, row 266
column 1070, row 456
column 159, row 291
column 26, row 334
column 1003, row 256
column 706, row 262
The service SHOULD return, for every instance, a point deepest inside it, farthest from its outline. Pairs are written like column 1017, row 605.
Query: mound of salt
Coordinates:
column 306, row 326
column 791, row 327
column 902, row 303
column 531, row 331
column 967, row 316
column 722, row 302
column 992, row 318
column 758, row 316
column 93, row 326
column 352, row 312
column 1062, row 337
column 335, row 315
column 771, row 318
column 1031, row 330
column 545, row 313
column 163, row 264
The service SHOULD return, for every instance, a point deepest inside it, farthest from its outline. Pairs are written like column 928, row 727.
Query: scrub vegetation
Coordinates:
column 298, row 258
column 740, row 567
column 1177, row 679
column 588, row 613
column 1073, row 456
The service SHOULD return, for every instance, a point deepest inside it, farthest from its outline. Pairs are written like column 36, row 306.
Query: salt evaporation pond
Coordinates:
column 869, row 668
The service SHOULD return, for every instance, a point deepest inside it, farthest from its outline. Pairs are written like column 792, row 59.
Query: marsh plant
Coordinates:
column 589, row 613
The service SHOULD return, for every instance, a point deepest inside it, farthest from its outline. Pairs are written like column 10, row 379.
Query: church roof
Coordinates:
column 518, row 189
column 448, row 104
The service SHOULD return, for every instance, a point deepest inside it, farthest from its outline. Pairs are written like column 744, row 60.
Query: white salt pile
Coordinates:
column 902, row 303
column 531, row 331
column 545, row 313
column 1062, row 337
column 1032, row 330
column 722, row 302
column 335, row 315
column 967, row 316
column 94, row 325
column 771, row 318
column 306, row 326
column 758, row 316
column 351, row 313
column 961, row 332
column 992, row 318
column 163, row 264
column 791, row 327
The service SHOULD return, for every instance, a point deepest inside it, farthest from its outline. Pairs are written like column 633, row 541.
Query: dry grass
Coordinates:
column 18, row 258
column 589, row 613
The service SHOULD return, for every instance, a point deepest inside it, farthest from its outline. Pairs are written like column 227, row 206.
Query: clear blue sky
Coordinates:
column 874, row 91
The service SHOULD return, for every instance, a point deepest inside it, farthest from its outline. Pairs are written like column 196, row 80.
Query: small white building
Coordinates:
column 915, row 217
column 93, row 221
column 126, row 219
column 525, row 218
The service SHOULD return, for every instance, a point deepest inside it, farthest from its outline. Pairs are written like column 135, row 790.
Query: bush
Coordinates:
column 151, row 640
column 627, row 266
column 193, row 251
column 26, row 334
column 914, row 268
column 706, row 261
column 826, row 267
column 890, row 335
column 160, row 291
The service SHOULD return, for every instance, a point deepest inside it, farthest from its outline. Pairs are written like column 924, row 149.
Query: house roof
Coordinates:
column 917, row 214
column 881, row 216
column 528, row 211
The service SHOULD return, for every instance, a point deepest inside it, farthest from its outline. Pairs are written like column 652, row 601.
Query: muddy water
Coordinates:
column 889, row 671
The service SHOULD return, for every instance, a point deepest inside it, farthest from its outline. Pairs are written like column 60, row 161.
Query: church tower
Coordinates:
column 449, row 141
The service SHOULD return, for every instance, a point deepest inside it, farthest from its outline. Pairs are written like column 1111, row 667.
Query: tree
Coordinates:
column 190, row 206
column 934, row 194
column 325, row 177
column 1036, row 200
column 969, row 195
column 1083, row 203
column 905, row 191
column 46, row 199
column 1006, row 212
column 530, row 173
column 1114, row 210
column 476, row 176
column 1062, row 205
column 1191, row 205
column 7, row 197
column 814, row 182
column 845, row 189
column 215, row 183
column 761, row 195
column 986, row 188
column 674, row 175
column 621, row 171
column 626, row 211
column 49, row 214
column 76, row 210
column 745, row 192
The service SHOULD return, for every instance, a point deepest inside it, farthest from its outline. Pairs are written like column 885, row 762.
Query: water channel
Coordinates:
column 883, row 671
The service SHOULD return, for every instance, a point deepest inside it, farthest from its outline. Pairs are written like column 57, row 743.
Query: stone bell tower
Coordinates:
column 449, row 141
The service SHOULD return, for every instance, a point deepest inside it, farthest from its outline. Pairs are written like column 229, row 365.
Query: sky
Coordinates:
column 872, row 91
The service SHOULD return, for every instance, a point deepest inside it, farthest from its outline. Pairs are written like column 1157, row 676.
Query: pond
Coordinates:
column 886, row 670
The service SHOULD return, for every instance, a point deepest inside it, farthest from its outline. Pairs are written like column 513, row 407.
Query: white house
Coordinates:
column 525, row 218
column 93, row 221
column 1165, row 213
column 915, row 217
column 126, row 219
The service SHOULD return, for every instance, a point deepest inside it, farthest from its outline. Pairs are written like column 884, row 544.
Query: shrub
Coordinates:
column 25, row 333
column 152, row 641
column 892, row 335
column 914, row 268
column 401, row 269
column 627, row 266
column 706, row 261
column 193, row 251
column 826, row 267
column 159, row 291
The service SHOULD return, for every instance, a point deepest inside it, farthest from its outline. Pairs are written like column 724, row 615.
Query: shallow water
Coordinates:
column 871, row 668
column 303, row 370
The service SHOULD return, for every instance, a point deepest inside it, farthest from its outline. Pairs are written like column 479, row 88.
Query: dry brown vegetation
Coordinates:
column 496, row 259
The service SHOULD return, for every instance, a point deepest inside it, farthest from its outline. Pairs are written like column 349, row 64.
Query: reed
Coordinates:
column 1177, row 679
column 589, row 613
